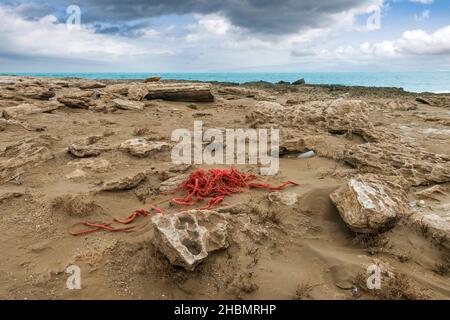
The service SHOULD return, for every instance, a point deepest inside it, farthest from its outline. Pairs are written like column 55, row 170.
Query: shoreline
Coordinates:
column 190, row 77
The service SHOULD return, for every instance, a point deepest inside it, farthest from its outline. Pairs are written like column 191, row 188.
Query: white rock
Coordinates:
column 186, row 238
column 287, row 198
column 369, row 203
column 128, row 105
column 142, row 148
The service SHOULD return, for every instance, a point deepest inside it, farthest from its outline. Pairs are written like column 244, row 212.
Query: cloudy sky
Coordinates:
column 224, row 35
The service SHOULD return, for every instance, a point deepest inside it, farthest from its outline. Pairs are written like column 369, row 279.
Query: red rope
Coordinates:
column 213, row 186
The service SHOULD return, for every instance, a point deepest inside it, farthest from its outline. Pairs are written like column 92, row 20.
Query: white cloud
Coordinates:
column 422, row 1
column 414, row 42
column 425, row 14
column 47, row 37
column 419, row 42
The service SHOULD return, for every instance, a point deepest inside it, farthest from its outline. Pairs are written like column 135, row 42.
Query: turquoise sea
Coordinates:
column 438, row 82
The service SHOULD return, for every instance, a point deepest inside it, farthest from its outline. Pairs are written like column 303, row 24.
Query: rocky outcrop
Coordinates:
column 188, row 92
column 187, row 238
column 27, row 109
column 142, row 148
column 370, row 203
column 416, row 165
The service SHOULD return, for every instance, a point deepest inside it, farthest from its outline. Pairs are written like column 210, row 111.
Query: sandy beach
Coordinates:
column 74, row 150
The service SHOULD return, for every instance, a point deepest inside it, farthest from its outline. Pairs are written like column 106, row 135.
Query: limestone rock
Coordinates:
column 97, row 165
column 188, row 92
column 187, row 238
column 370, row 203
column 137, row 91
column 26, row 109
column 142, row 148
column 170, row 184
column 91, row 85
column 152, row 79
column 286, row 198
column 436, row 224
column 76, row 174
column 128, row 105
column 88, row 147
column 38, row 93
column 24, row 154
column 416, row 165
column 124, row 183
column 77, row 100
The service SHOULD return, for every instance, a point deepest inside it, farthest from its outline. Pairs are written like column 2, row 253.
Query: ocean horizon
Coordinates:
column 434, row 82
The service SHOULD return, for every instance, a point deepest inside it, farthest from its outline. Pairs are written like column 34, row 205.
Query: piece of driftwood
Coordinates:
column 189, row 92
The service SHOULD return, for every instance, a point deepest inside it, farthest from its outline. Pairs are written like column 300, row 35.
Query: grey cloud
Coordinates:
column 259, row 16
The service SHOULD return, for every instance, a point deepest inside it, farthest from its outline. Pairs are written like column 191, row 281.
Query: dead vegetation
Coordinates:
column 304, row 291
column 443, row 268
column 394, row 287
column 76, row 205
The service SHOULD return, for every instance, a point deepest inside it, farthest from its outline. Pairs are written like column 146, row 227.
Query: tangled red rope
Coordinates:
column 213, row 185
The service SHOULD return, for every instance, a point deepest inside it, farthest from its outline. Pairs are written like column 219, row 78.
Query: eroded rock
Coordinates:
column 124, row 183
column 188, row 92
column 286, row 198
column 137, row 91
column 27, row 109
column 170, row 184
column 128, row 105
column 416, row 165
column 97, row 165
column 77, row 100
column 25, row 154
column 142, row 148
column 88, row 147
column 435, row 224
column 369, row 203
column 187, row 238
